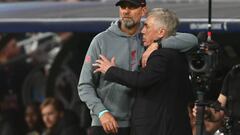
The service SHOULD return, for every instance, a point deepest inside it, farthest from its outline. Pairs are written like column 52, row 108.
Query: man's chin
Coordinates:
column 145, row 45
column 49, row 126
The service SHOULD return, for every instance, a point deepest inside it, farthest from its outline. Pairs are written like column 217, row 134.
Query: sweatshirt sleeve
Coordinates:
column 88, row 81
column 181, row 41
column 155, row 71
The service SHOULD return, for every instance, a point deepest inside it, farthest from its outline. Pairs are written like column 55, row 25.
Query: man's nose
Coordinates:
column 143, row 30
column 126, row 10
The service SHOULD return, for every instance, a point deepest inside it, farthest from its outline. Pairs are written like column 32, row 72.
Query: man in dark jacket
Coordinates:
column 9, row 116
column 230, row 101
column 57, row 120
column 163, row 88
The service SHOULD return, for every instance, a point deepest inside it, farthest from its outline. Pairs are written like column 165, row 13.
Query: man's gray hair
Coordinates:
column 165, row 18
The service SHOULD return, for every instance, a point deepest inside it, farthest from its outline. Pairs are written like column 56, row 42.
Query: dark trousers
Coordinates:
column 97, row 130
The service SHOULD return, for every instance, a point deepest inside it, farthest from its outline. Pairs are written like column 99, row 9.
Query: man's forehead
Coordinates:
column 149, row 19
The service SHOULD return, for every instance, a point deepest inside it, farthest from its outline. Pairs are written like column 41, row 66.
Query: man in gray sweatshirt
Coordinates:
column 110, row 104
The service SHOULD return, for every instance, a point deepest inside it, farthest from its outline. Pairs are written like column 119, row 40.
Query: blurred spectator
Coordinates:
column 9, row 116
column 13, row 69
column 8, row 47
column 57, row 120
column 210, row 127
column 33, row 119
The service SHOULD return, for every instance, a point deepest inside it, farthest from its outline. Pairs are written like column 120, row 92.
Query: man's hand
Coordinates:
column 103, row 64
column 207, row 111
column 146, row 54
column 210, row 114
column 109, row 123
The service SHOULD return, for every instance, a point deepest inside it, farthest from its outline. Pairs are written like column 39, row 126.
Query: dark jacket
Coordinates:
column 68, row 125
column 163, row 90
column 230, row 89
column 9, row 121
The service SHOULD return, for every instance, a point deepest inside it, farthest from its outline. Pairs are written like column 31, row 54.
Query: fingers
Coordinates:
column 115, row 126
column 95, row 65
column 143, row 62
column 109, row 123
column 103, row 58
column 113, row 61
column 103, row 64
column 110, row 128
column 194, row 110
column 97, row 70
column 144, row 59
column 98, row 67
column 99, row 61
column 102, row 61
column 106, row 128
column 147, row 53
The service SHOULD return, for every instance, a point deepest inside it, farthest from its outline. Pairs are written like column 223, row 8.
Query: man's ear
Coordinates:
column 144, row 11
column 161, row 33
column 61, row 114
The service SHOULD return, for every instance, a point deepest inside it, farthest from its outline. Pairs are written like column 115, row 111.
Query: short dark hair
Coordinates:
column 4, row 38
column 34, row 104
column 56, row 103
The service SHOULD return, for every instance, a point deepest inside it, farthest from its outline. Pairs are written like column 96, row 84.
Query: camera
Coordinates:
column 205, row 59
column 203, row 62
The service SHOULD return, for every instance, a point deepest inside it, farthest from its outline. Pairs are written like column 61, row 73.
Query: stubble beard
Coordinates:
column 129, row 23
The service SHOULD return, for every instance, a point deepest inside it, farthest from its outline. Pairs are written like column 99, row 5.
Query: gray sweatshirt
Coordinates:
column 99, row 94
